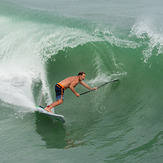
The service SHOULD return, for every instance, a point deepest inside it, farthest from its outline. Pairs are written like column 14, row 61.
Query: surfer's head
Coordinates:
column 81, row 75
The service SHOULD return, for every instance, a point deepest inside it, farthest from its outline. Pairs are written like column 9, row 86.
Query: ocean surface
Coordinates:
column 43, row 42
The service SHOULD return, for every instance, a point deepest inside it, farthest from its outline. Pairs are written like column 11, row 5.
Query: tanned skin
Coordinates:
column 70, row 82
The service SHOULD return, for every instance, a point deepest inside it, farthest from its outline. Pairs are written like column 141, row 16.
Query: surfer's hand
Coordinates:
column 95, row 88
column 77, row 94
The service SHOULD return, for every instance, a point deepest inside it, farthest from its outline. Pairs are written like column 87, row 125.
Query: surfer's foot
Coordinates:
column 47, row 109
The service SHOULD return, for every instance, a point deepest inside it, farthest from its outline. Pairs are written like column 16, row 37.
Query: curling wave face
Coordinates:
column 119, row 122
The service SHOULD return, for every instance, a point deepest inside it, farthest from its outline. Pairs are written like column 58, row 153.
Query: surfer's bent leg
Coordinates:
column 59, row 89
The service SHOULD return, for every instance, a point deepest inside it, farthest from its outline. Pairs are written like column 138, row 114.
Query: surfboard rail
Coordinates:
column 57, row 117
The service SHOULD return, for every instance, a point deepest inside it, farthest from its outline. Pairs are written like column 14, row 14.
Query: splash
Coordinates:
column 149, row 36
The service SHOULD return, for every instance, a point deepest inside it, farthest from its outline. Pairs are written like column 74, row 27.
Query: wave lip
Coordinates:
column 150, row 37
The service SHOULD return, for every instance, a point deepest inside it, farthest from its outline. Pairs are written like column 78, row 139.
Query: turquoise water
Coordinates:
column 42, row 43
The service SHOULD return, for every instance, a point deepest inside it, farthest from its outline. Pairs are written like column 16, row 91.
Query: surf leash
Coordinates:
column 100, row 86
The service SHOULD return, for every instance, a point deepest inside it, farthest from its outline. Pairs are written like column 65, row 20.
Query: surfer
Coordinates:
column 71, row 83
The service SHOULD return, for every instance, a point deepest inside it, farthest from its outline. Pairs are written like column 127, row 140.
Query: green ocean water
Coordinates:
column 42, row 43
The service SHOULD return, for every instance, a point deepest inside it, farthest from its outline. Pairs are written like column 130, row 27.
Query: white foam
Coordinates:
column 102, row 78
column 20, row 62
column 25, row 48
column 145, row 29
column 106, row 35
column 62, row 37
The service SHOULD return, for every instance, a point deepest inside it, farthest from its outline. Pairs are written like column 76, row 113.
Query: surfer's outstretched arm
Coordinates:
column 87, row 86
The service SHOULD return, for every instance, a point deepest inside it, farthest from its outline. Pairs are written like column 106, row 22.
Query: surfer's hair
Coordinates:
column 81, row 73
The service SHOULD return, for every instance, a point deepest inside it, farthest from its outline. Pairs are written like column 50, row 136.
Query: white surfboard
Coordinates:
column 57, row 117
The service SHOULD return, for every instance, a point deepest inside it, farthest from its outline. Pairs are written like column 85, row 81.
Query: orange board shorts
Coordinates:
column 59, row 90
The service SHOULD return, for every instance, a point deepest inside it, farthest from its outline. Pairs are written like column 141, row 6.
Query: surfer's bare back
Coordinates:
column 70, row 82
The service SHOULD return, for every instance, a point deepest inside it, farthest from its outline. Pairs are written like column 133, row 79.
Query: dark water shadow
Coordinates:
column 52, row 132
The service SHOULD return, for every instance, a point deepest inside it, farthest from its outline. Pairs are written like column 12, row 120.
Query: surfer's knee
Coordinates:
column 60, row 101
